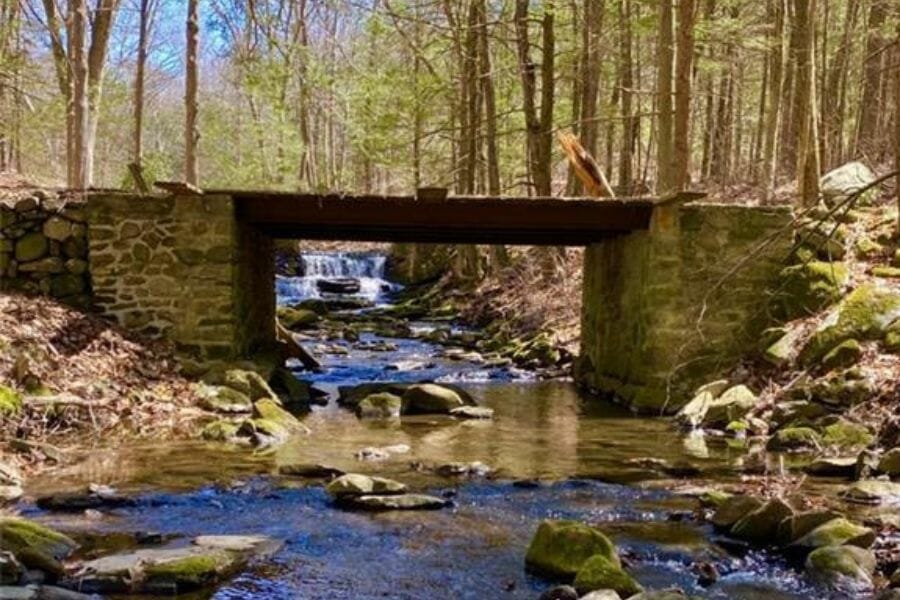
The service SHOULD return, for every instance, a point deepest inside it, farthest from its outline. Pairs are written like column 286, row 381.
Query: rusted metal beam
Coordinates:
column 455, row 219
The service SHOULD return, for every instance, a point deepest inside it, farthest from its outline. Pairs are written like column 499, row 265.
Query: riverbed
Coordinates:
column 552, row 451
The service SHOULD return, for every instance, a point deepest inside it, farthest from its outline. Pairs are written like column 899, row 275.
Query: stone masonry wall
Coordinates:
column 182, row 268
column 43, row 247
column 653, row 327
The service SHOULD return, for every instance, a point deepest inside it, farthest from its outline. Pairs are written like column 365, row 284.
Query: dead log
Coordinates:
column 586, row 168
column 293, row 349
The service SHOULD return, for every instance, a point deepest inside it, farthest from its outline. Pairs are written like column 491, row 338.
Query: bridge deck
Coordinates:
column 455, row 219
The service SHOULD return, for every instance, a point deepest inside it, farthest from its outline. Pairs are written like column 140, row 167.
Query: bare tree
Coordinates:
column 191, row 133
column 684, row 60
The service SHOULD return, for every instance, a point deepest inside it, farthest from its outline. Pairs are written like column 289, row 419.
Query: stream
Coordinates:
column 554, row 454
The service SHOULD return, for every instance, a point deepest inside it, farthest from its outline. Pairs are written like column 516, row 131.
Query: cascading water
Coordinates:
column 367, row 268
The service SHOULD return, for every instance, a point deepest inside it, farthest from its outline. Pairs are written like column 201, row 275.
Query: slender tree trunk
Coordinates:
column 684, row 60
column 144, row 18
column 777, row 15
column 665, row 53
column 805, row 104
column 834, row 97
column 870, row 106
column 897, row 121
column 191, row 133
column 626, row 78
column 78, row 79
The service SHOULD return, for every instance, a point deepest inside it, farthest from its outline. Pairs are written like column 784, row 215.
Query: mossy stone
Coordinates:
column 845, row 354
column 248, row 382
column 225, row 400
column 219, row 431
column 865, row 314
column 795, row 439
column 733, row 509
column 560, row 548
column 29, row 541
column 10, row 401
column 269, row 410
column 808, row 287
column 886, row 272
column 761, row 525
column 841, row 565
column 188, row 572
column 837, row 532
column 296, row 318
column 798, row 525
column 379, row 406
column 890, row 463
column 846, row 435
column 867, row 248
column 599, row 573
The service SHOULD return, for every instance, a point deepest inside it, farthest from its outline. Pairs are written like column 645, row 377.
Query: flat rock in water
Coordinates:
column 398, row 502
column 832, row 467
column 872, row 491
column 473, row 412
column 257, row 545
column 464, row 469
column 310, row 470
column 354, row 484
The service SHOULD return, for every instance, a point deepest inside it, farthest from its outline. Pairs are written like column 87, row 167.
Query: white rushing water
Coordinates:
column 366, row 268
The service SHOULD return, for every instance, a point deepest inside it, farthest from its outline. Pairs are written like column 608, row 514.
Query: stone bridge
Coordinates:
column 674, row 292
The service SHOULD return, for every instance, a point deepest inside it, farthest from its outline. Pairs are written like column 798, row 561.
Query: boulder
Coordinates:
column 890, row 463
column 429, row 398
column 845, row 567
column 262, row 432
column 353, row 484
column 310, row 470
column 34, row 545
column 799, row 524
column 836, row 532
column 845, row 354
column 249, row 383
column 560, row 592
column 865, row 314
column 599, row 572
column 732, row 405
column 296, row 318
column 760, row 526
column 839, row 183
column 872, row 491
column 809, row 287
column 224, row 400
column 269, row 410
column 841, row 390
column 733, row 509
column 383, row 405
column 294, row 393
column 832, row 467
column 797, row 413
column 846, row 435
column 560, row 548
column 219, row 431
column 692, row 414
column 795, row 439
column 396, row 502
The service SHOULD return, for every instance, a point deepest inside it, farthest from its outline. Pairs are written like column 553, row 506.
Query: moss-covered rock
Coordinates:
column 795, row 439
column 865, row 314
column 269, row 410
column 886, row 272
column 10, row 401
column 31, row 246
column 809, row 287
column 845, row 354
column 837, row 532
column 760, row 526
column 890, row 463
column 560, row 548
column 800, row 524
column 249, row 383
column 733, row 509
column 732, row 405
column 379, row 406
column 34, row 545
column 224, row 400
column 188, row 572
column 296, row 318
column 872, row 491
column 867, row 248
column 846, row 435
column 832, row 466
column 892, row 339
column 598, row 573
column 840, row 390
column 219, row 431
column 845, row 567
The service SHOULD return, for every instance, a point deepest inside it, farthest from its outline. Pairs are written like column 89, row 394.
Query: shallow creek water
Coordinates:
column 576, row 447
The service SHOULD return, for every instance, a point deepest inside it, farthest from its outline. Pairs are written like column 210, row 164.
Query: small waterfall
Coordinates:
column 366, row 268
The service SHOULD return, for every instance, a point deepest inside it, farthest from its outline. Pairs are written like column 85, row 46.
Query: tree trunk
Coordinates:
column 78, row 79
column 834, row 97
column 144, row 18
column 665, row 53
column 191, row 133
column 626, row 79
column 805, row 105
column 777, row 15
column 684, row 60
column 897, row 122
column 870, row 106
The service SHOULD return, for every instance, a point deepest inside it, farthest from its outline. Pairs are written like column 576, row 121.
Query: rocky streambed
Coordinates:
column 417, row 464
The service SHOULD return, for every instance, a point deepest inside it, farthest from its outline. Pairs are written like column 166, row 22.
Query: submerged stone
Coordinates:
column 383, row 405
column 310, row 470
column 599, row 572
column 560, row 548
column 397, row 502
column 472, row 412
